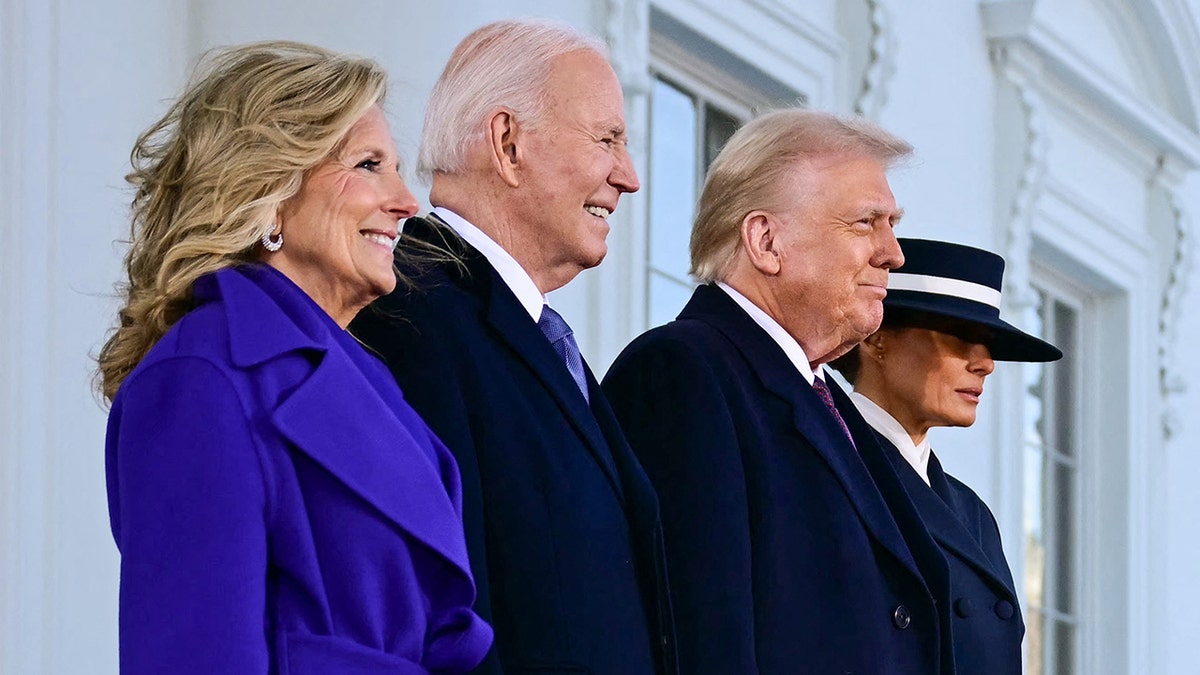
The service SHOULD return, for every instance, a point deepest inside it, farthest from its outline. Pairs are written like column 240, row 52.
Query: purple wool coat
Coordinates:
column 278, row 506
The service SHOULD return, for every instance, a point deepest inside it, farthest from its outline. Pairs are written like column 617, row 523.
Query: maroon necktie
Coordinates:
column 826, row 396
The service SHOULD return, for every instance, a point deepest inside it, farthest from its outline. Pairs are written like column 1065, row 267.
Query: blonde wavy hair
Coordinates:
column 211, row 175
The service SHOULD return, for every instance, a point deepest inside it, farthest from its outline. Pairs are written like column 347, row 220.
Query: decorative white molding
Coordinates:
column 773, row 37
column 1172, row 383
column 881, row 62
column 1014, row 22
column 1018, row 292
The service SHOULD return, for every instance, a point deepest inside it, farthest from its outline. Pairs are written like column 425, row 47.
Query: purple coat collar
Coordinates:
column 339, row 416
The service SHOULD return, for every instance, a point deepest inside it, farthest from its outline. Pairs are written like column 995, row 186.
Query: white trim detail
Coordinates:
column 967, row 290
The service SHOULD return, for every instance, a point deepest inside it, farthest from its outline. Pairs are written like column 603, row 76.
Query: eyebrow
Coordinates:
column 893, row 216
column 615, row 130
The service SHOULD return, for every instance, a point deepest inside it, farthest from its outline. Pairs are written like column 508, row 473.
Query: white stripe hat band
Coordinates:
column 925, row 283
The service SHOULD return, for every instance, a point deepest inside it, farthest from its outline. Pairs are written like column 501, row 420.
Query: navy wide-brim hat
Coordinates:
column 961, row 282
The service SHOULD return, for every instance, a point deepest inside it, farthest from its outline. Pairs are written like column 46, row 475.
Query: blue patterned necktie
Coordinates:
column 826, row 397
column 562, row 338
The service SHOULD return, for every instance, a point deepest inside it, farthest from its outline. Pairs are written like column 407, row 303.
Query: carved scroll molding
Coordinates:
column 1172, row 383
column 1015, row 69
column 881, row 61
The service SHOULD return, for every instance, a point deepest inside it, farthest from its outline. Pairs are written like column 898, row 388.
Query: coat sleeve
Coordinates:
column 187, row 499
column 673, row 410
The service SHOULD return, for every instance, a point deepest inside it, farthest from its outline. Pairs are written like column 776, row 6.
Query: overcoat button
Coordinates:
column 900, row 617
column 1004, row 609
column 963, row 607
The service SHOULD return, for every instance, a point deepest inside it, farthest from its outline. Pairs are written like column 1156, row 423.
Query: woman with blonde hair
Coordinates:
column 278, row 505
column 925, row 367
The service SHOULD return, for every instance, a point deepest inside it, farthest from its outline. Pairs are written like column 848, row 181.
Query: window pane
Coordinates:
column 1034, row 434
column 667, row 298
column 1035, row 543
column 1066, row 391
column 1035, row 640
column 672, row 179
column 1063, row 503
column 718, row 127
column 1051, row 486
column 1035, row 378
column 1064, row 649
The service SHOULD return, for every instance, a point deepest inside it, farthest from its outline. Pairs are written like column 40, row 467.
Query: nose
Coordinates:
column 888, row 255
column 980, row 360
column 623, row 176
column 400, row 201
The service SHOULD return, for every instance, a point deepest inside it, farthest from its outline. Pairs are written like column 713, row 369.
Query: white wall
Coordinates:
column 79, row 81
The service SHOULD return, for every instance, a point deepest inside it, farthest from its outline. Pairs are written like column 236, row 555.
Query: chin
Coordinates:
column 383, row 285
column 963, row 420
column 595, row 256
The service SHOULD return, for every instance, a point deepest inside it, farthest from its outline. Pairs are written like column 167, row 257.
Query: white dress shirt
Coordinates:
column 786, row 342
column 514, row 276
column 885, row 424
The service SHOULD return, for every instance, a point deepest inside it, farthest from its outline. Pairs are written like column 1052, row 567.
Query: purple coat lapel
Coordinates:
column 336, row 416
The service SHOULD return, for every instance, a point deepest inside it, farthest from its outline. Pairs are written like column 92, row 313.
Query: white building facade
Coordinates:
column 1063, row 134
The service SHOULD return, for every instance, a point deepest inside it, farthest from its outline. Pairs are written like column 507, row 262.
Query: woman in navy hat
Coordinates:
column 925, row 367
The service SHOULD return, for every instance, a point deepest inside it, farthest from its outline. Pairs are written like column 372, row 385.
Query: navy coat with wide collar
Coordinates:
column 788, row 550
column 277, row 504
column 562, row 523
column 987, row 622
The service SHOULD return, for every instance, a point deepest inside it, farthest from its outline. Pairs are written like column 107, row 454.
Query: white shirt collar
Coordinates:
column 884, row 423
column 786, row 342
column 514, row 276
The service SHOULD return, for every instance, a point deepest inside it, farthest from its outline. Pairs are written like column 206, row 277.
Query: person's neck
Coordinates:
column 915, row 429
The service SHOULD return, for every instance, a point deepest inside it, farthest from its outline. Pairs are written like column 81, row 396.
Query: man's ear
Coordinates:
column 760, row 239
column 505, row 152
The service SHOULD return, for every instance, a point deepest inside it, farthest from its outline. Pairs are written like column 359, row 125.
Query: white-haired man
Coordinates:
column 791, row 544
column 525, row 142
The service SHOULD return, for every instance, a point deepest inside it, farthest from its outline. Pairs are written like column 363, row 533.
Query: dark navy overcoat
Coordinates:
column 987, row 622
column 562, row 523
column 789, row 550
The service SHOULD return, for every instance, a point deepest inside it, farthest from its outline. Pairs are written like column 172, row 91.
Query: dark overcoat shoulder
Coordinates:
column 789, row 549
column 562, row 523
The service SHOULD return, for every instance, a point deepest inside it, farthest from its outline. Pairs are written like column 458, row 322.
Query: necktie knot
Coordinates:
column 553, row 326
column 826, row 397
column 562, row 338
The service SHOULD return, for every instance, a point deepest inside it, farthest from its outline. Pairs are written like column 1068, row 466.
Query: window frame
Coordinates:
column 690, row 72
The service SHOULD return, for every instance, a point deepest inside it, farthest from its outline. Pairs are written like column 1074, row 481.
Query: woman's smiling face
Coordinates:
column 340, row 229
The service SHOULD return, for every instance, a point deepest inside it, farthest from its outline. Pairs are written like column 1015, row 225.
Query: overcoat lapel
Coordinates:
column 946, row 527
column 514, row 327
column 363, row 453
column 810, row 416
column 335, row 416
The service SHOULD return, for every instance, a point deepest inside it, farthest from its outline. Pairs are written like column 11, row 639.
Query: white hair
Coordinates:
column 503, row 64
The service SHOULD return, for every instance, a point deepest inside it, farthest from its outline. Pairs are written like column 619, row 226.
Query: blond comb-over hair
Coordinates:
column 752, row 169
